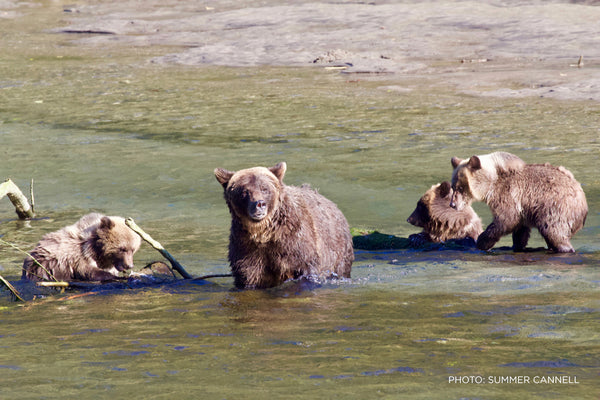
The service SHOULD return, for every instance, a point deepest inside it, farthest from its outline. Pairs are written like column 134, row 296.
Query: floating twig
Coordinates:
column 29, row 255
column 174, row 263
column 204, row 277
column 77, row 284
column 10, row 287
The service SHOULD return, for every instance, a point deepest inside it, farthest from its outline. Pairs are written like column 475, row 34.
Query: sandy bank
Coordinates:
column 486, row 48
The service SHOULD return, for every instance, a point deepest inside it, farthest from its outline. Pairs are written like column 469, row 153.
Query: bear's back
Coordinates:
column 330, row 227
column 60, row 252
column 539, row 181
column 543, row 194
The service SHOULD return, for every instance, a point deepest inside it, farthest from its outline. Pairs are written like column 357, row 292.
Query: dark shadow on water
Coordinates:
column 31, row 291
column 373, row 245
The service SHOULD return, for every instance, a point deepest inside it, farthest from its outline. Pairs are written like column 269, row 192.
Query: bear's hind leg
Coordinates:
column 557, row 242
column 563, row 246
column 521, row 237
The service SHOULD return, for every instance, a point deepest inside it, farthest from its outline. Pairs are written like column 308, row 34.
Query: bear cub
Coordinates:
column 439, row 221
column 281, row 232
column 521, row 196
column 95, row 248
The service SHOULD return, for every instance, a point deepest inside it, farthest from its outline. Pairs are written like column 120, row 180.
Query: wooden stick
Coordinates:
column 11, row 288
column 205, row 277
column 31, row 198
column 53, row 284
column 77, row 284
column 22, row 207
column 176, row 266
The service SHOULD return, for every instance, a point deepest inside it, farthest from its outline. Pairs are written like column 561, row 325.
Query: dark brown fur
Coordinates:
column 281, row 232
column 439, row 221
column 522, row 197
column 96, row 248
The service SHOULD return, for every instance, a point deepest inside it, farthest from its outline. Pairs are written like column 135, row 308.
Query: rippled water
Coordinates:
column 107, row 132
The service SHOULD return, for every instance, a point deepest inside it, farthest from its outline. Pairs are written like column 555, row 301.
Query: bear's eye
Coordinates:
column 123, row 249
column 264, row 189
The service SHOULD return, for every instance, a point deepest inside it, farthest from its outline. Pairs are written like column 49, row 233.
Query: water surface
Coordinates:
column 108, row 131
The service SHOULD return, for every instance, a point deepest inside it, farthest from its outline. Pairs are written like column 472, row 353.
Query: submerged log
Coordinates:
column 12, row 191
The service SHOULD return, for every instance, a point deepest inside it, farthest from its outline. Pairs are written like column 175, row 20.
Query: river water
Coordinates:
column 104, row 129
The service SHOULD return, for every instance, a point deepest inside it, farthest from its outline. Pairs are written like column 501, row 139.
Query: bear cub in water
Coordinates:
column 439, row 221
column 281, row 232
column 521, row 196
column 95, row 248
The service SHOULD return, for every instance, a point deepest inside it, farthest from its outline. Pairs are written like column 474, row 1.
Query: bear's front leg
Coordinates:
column 97, row 274
column 490, row 236
column 417, row 240
column 520, row 238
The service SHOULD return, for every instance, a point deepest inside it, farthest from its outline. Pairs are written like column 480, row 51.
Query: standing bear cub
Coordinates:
column 521, row 196
column 95, row 248
column 439, row 221
column 281, row 232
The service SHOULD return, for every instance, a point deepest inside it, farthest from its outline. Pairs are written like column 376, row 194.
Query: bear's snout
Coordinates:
column 413, row 219
column 257, row 210
column 453, row 203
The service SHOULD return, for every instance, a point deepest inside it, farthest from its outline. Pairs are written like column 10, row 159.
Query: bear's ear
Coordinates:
column 444, row 189
column 455, row 162
column 474, row 163
column 279, row 170
column 223, row 176
column 106, row 223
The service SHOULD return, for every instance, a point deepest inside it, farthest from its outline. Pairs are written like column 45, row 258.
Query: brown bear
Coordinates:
column 95, row 248
column 439, row 221
column 281, row 232
column 521, row 196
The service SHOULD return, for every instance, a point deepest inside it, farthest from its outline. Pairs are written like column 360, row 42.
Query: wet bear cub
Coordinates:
column 439, row 221
column 521, row 196
column 281, row 232
column 95, row 248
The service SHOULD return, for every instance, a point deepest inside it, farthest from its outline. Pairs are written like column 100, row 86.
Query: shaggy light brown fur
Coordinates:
column 281, row 232
column 95, row 248
column 439, row 221
column 521, row 196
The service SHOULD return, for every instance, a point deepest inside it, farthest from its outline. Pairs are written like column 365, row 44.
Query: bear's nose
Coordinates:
column 261, row 205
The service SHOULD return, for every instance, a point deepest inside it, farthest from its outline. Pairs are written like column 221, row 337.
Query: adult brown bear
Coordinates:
column 281, row 232
column 521, row 196
column 95, row 248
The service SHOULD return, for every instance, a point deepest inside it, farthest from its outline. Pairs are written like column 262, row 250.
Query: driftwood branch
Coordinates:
column 10, row 287
column 22, row 207
column 76, row 284
column 176, row 266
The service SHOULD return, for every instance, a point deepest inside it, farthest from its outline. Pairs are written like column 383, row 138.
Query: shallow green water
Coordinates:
column 109, row 132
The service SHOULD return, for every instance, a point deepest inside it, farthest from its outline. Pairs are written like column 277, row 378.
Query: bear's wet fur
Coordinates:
column 439, row 221
column 281, row 232
column 95, row 248
column 521, row 196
